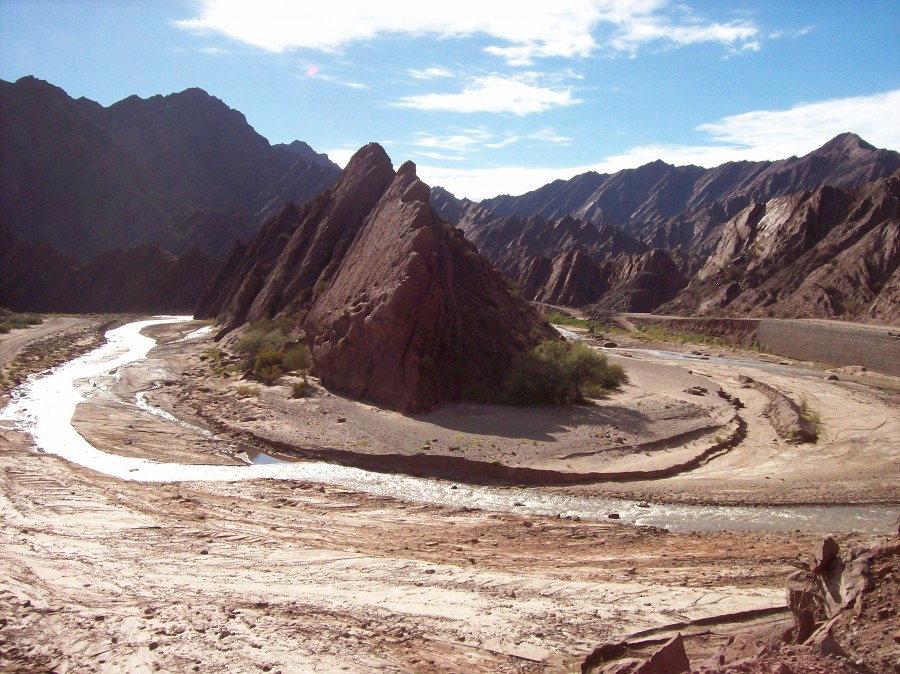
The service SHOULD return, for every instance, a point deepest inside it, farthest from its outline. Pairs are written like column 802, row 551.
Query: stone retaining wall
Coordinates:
column 832, row 343
column 829, row 342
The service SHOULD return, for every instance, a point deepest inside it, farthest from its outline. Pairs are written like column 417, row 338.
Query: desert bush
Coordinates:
column 296, row 358
column 255, row 340
column 558, row 372
column 13, row 321
column 245, row 391
column 268, row 364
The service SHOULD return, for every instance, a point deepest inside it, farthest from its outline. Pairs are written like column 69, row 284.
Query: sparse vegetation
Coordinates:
column 267, row 365
column 301, row 389
column 269, row 353
column 296, row 359
column 11, row 321
column 657, row 333
column 590, row 325
column 557, row 372
column 245, row 391
column 808, row 414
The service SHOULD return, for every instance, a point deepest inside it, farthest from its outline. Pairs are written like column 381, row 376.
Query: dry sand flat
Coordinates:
column 651, row 425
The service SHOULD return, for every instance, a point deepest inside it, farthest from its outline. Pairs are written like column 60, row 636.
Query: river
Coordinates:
column 44, row 407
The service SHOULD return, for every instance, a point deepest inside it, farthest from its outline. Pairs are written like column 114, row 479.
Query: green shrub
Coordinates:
column 255, row 340
column 296, row 358
column 558, row 372
column 268, row 364
column 14, row 321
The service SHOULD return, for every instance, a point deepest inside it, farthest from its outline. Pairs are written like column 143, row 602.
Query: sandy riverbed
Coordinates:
column 105, row 575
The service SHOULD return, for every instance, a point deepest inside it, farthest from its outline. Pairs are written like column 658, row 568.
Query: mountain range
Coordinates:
column 183, row 170
column 134, row 188
column 634, row 240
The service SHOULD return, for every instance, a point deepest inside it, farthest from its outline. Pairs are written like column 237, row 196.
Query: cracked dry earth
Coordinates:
column 108, row 576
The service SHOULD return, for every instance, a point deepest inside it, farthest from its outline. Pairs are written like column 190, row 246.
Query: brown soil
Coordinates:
column 105, row 575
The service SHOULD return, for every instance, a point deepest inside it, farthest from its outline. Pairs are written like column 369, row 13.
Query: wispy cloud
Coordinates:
column 563, row 28
column 752, row 136
column 466, row 143
column 460, row 142
column 641, row 30
column 772, row 133
column 519, row 94
column 431, row 73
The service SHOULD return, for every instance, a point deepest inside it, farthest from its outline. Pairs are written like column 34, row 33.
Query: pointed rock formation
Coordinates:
column 397, row 306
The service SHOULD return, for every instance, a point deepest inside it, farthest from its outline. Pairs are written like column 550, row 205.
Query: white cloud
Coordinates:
column 431, row 73
column 459, row 143
column 752, row 136
column 518, row 94
column 646, row 29
column 563, row 28
column 334, row 80
column 550, row 136
column 778, row 133
column 506, row 142
column 341, row 156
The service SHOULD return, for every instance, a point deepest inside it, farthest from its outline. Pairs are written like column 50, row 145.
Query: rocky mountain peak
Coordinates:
column 396, row 306
column 845, row 142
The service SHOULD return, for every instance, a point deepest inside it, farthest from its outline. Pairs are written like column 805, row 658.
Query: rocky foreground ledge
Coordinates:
column 844, row 606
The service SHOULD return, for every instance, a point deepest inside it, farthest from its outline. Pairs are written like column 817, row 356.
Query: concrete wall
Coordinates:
column 833, row 343
column 829, row 342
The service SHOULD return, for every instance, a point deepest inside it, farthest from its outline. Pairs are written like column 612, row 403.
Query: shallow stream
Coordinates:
column 45, row 405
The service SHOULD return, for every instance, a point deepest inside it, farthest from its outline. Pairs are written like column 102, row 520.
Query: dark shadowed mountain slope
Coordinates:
column 143, row 279
column 824, row 253
column 684, row 207
column 89, row 178
column 397, row 307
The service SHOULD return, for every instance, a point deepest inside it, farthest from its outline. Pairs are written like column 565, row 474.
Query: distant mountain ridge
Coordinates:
column 89, row 178
column 684, row 207
column 34, row 276
column 822, row 253
column 633, row 240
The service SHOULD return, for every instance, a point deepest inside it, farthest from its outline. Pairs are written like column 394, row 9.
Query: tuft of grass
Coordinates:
column 245, row 391
column 301, row 389
column 809, row 414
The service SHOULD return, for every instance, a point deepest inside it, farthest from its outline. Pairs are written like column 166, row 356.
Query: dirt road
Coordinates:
column 11, row 343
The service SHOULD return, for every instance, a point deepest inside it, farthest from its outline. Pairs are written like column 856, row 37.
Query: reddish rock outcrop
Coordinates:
column 397, row 306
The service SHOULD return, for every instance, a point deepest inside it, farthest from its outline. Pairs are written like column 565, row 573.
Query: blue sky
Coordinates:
column 492, row 97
